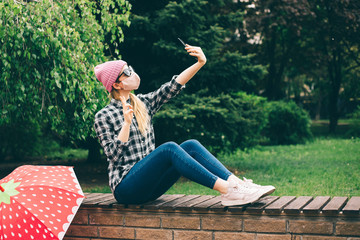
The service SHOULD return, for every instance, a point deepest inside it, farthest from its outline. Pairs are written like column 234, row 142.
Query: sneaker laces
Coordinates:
column 250, row 182
column 242, row 188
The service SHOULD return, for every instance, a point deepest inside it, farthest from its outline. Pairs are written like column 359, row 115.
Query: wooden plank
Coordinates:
column 316, row 205
column 95, row 199
column 218, row 207
column 184, row 199
column 90, row 196
column 207, row 204
column 161, row 200
column 335, row 205
column 278, row 205
column 352, row 207
column 189, row 204
column 109, row 202
column 259, row 205
column 296, row 206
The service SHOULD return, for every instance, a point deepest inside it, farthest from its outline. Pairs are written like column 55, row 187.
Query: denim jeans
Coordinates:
column 156, row 173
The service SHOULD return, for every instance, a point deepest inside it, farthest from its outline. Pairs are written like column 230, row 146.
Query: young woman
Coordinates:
column 137, row 171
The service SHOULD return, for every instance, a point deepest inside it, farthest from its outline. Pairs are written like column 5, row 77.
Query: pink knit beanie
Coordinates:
column 108, row 72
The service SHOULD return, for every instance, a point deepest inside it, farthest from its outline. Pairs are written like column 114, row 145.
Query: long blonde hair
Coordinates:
column 140, row 111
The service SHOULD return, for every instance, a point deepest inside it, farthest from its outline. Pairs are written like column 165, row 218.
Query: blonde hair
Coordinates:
column 140, row 111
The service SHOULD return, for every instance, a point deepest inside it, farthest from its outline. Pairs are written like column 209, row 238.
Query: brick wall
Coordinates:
column 114, row 221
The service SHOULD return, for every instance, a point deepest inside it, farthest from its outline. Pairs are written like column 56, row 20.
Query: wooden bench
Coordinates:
column 203, row 217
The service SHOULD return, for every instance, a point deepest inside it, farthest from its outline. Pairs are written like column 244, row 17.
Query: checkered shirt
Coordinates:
column 122, row 156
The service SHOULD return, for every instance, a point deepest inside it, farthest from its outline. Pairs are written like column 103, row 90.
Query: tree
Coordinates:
column 151, row 45
column 49, row 50
column 279, row 26
column 336, row 37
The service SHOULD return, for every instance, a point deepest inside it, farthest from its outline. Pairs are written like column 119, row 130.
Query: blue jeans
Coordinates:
column 156, row 173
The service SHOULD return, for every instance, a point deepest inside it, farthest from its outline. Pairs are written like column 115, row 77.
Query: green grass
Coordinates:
column 328, row 167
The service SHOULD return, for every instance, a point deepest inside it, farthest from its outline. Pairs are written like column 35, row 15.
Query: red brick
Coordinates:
column 322, row 238
column 276, row 237
column 117, row 232
column 82, row 231
column 261, row 225
column 142, row 221
column 181, row 222
column 106, row 219
column 153, row 234
column 221, row 223
column 81, row 217
column 310, row 227
column 348, row 228
column 193, row 235
column 75, row 238
column 234, row 236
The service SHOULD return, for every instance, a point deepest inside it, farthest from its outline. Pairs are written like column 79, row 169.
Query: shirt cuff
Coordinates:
column 121, row 143
column 175, row 85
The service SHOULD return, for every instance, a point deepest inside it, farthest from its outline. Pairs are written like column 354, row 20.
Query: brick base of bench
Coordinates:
column 203, row 217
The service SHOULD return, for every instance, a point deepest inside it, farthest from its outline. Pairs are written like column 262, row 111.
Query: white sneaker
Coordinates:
column 269, row 189
column 240, row 194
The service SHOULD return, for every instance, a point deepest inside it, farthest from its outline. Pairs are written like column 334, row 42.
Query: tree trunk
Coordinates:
column 334, row 68
column 270, row 85
column 94, row 150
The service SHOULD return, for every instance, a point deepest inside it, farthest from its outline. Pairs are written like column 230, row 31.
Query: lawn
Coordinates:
column 324, row 167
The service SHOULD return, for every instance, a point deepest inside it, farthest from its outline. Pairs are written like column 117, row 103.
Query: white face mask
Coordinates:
column 132, row 82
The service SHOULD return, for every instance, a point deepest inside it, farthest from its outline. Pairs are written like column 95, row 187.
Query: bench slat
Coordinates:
column 278, row 205
column 173, row 204
column 261, row 204
column 109, row 202
column 335, row 205
column 189, row 204
column 207, row 204
column 92, row 196
column 316, row 205
column 156, row 204
column 218, row 207
column 352, row 207
column 297, row 205
column 97, row 199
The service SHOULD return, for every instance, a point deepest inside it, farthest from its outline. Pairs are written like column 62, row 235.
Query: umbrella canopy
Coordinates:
column 38, row 202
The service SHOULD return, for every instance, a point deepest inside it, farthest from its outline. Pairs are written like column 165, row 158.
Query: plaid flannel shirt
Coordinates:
column 122, row 156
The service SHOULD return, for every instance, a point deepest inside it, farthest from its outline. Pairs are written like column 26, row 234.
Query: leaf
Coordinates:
column 9, row 191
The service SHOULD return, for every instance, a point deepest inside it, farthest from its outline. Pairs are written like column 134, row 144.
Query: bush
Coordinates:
column 222, row 123
column 287, row 123
column 355, row 124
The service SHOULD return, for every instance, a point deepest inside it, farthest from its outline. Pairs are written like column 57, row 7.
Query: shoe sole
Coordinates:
column 268, row 192
column 241, row 202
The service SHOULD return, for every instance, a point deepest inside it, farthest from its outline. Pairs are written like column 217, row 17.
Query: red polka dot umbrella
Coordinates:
column 38, row 202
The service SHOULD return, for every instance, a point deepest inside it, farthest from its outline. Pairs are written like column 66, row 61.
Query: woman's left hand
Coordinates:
column 196, row 52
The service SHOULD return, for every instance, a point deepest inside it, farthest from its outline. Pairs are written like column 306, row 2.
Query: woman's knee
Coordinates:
column 170, row 145
column 190, row 143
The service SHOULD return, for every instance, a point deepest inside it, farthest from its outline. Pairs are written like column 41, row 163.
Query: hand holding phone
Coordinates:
column 195, row 51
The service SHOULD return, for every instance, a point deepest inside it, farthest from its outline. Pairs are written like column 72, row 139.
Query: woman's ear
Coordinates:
column 118, row 85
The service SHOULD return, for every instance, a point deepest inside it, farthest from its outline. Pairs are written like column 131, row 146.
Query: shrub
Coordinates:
column 287, row 123
column 354, row 131
column 222, row 123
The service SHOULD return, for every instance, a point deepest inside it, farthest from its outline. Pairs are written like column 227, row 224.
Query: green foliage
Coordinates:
column 287, row 123
column 355, row 123
column 221, row 123
column 49, row 50
column 151, row 45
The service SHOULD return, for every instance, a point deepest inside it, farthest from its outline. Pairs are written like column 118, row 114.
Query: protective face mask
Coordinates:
column 132, row 82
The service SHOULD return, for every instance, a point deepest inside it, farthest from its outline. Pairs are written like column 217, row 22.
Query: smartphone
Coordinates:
column 182, row 42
